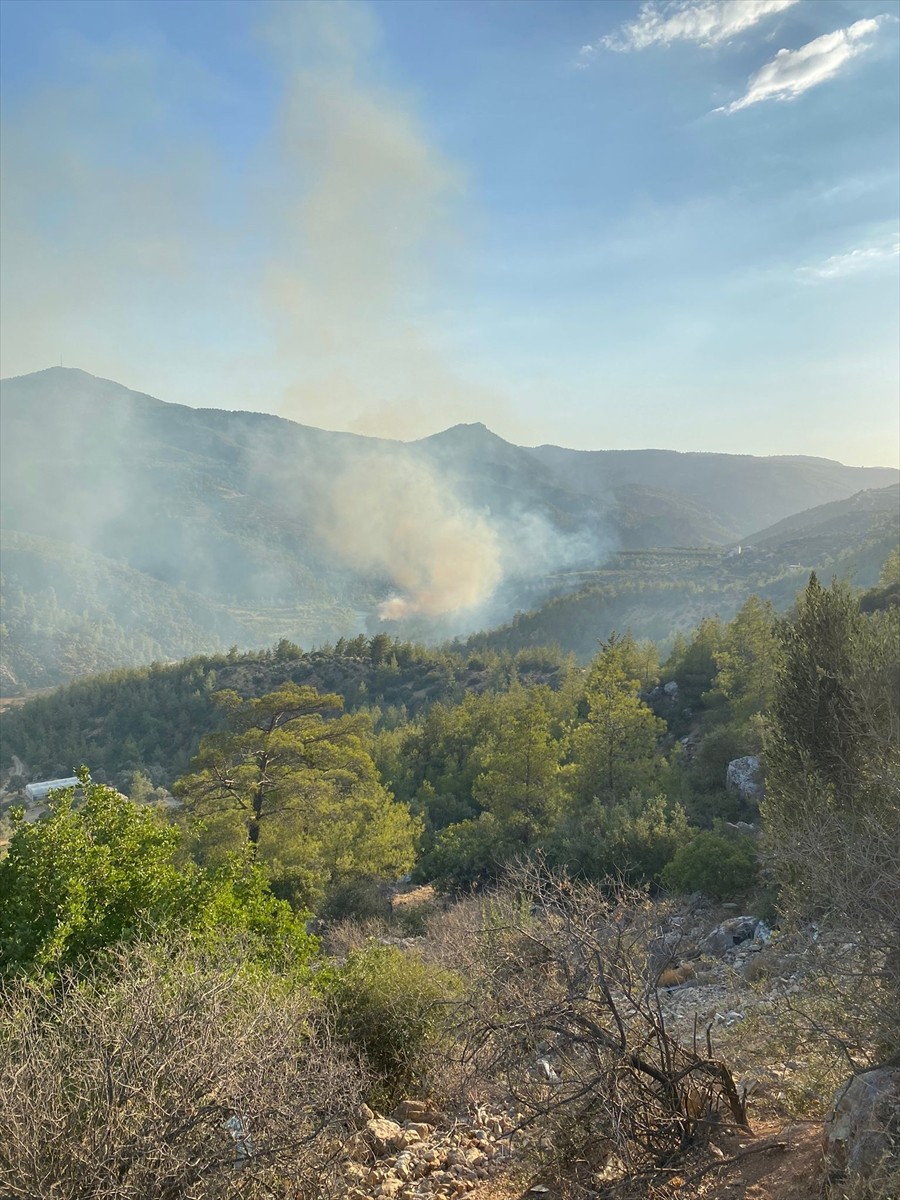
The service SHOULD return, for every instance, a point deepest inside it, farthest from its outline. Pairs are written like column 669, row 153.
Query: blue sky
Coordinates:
column 614, row 224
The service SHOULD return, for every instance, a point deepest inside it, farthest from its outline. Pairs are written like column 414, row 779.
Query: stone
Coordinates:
column 389, row 1187
column 410, row 1110
column 384, row 1136
column 726, row 936
column 742, row 777
column 420, row 1129
column 671, row 688
column 862, row 1132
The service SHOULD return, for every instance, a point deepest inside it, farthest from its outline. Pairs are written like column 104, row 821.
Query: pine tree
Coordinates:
column 298, row 779
column 615, row 748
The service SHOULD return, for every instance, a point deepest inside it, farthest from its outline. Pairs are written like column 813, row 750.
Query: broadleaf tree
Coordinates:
column 100, row 870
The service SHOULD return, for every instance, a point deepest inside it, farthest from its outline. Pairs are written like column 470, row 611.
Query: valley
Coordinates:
column 172, row 531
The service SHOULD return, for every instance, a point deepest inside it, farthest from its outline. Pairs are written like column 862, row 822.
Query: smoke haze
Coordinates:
column 306, row 292
column 389, row 514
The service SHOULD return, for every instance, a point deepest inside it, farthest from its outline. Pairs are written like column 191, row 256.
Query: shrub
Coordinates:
column 161, row 1076
column 86, row 878
column 717, row 866
column 632, row 841
column 358, row 900
column 393, row 1009
column 465, row 855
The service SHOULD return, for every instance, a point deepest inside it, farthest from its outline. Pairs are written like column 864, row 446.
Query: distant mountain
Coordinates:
column 745, row 493
column 831, row 528
column 169, row 529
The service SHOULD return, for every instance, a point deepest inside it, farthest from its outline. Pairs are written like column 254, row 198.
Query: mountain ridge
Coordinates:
column 286, row 530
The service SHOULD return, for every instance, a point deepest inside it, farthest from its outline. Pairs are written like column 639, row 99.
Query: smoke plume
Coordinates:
column 390, row 514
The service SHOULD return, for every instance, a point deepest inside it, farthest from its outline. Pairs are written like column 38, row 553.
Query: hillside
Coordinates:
column 152, row 718
column 746, row 493
column 831, row 528
column 658, row 593
column 136, row 529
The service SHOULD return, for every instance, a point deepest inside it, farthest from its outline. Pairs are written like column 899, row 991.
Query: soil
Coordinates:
column 777, row 1163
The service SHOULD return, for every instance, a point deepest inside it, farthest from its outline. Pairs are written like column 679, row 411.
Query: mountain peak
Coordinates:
column 474, row 433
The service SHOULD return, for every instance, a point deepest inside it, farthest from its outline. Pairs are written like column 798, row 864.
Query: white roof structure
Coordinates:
column 39, row 791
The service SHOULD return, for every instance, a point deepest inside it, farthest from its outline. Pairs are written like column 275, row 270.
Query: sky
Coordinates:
column 621, row 224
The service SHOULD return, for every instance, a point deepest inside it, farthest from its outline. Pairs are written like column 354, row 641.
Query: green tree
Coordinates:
column 692, row 664
column 831, row 808
column 394, row 1010
column 640, row 660
column 886, row 593
column 746, row 660
column 298, row 781
column 721, row 867
column 632, row 839
column 519, row 778
column 614, row 749
column 105, row 871
column 817, row 725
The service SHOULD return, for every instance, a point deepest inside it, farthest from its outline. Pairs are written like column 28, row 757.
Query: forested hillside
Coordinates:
column 582, row 811
column 658, row 593
column 151, row 719
column 136, row 529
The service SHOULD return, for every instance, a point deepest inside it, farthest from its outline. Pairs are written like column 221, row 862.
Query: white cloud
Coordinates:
column 792, row 72
column 703, row 21
column 853, row 262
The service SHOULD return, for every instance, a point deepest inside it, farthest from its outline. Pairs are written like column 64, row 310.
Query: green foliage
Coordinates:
column 393, row 1009
column 700, row 784
column 361, row 899
column 720, row 867
column 746, row 660
column 692, row 663
column 615, row 748
column 833, row 756
column 632, row 840
column 467, row 854
column 817, row 719
column 151, row 719
column 301, row 783
column 94, row 874
column 886, row 593
column 519, row 782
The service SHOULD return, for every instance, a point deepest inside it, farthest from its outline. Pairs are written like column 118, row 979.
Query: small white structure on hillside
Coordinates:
column 40, row 791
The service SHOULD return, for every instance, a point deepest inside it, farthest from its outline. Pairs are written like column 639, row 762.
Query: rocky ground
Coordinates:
column 726, row 969
column 409, row 1160
column 417, row 1153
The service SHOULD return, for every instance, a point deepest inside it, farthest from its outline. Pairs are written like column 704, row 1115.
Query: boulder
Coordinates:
column 726, row 936
column 862, row 1132
column 742, row 777
column 384, row 1136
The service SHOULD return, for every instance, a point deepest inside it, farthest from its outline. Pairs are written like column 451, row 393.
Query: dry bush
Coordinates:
column 168, row 1080
column 883, row 1183
column 564, row 1011
column 855, row 961
column 343, row 937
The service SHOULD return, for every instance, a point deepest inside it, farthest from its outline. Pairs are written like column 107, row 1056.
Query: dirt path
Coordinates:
column 778, row 1163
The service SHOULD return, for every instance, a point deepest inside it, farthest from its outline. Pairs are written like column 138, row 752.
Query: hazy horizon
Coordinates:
column 445, row 428
column 614, row 226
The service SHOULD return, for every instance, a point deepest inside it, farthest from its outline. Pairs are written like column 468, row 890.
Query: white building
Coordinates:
column 39, row 791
